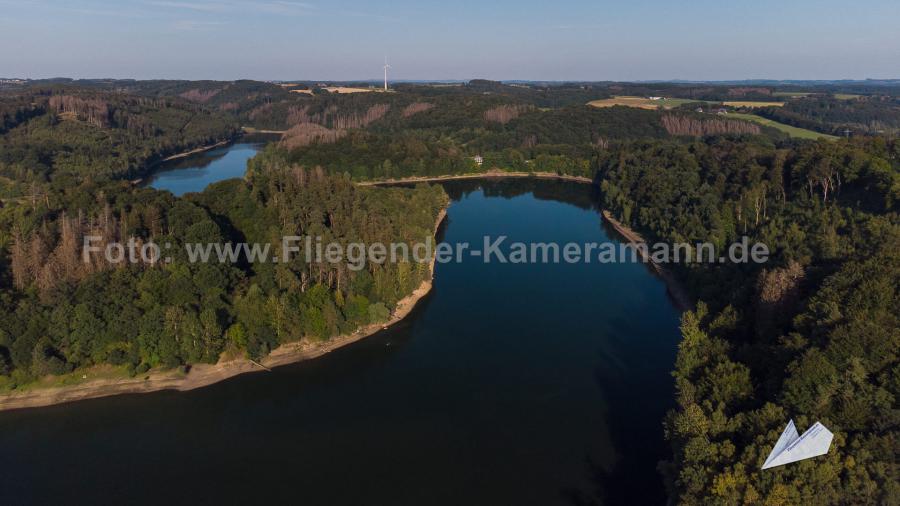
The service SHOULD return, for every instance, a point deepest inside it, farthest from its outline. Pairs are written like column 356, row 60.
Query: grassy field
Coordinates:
column 801, row 94
column 642, row 102
column 670, row 103
column 104, row 371
column 800, row 133
column 751, row 104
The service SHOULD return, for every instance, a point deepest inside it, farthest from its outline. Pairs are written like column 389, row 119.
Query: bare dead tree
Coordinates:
column 503, row 114
column 682, row 125
column 416, row 108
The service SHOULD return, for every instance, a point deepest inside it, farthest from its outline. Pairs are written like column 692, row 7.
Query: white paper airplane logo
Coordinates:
column 792, row 447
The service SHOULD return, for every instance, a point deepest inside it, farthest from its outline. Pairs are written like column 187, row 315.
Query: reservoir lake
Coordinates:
column 508, row 384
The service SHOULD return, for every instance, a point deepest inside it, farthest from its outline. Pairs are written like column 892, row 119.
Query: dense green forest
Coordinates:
column 811, row 335
column 444, row 136
column 59, row 313
column 839, row 116
column 445, row 140
column 67, row 155
column 67, row 134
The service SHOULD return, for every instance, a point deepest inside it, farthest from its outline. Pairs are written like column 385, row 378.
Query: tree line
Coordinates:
column 864, row 115
column 811, row 335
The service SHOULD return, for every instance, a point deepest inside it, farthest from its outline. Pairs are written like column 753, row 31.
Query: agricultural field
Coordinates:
column 671, row 103
column 800, row 133
column 751, row 104
column 347, row 89
column 642, row 102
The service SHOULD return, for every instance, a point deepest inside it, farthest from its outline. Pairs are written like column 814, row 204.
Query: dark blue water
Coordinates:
column 194, row 173
column 509, row 384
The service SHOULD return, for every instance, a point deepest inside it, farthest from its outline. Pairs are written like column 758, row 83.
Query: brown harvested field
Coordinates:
column 306, row 92
column 345, row 89
column 749, row 103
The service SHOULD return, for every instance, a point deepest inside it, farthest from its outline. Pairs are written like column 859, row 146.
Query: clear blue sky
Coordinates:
column 461, row 39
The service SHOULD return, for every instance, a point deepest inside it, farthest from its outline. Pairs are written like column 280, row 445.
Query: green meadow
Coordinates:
column 793, row 131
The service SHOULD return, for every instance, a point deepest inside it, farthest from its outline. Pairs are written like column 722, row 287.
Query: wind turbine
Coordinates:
column 386, row 66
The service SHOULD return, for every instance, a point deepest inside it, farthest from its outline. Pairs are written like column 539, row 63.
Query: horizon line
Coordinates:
column 464, row 80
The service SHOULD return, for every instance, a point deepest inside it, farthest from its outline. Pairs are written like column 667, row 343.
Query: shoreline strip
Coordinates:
column 676, row 291
column 201, row 149
column 478, row 175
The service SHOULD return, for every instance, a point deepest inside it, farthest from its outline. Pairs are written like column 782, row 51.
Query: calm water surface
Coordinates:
column 509, row 384
column 196, row 172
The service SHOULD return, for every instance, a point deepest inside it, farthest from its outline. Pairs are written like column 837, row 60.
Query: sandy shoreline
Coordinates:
column 478, row 175
column 679, row 294
column 251, row 130
column 150, row 169
column 201, row 375
column 194, row 151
